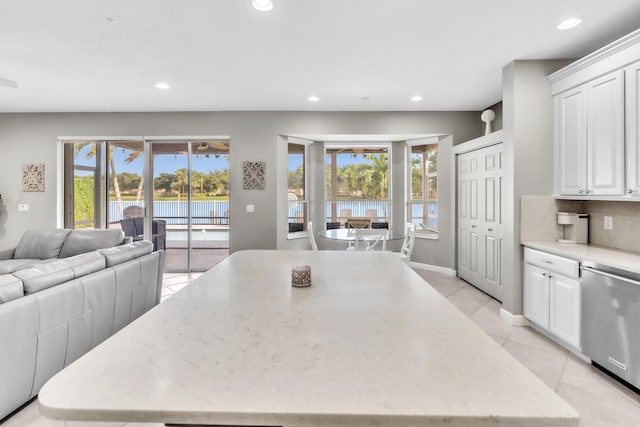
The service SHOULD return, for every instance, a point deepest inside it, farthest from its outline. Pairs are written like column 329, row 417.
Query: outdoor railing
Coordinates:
column 202, row 212
column 378, row 210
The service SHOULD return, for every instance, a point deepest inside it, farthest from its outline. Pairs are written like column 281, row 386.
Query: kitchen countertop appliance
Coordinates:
column 611, row 320
column 575, row 227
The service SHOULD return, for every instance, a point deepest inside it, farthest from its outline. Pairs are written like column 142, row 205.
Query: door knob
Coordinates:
column 491, row 229
column 580, row 191
column 630, row 191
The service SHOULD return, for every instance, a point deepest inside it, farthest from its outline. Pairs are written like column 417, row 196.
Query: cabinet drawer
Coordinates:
column 558, row 264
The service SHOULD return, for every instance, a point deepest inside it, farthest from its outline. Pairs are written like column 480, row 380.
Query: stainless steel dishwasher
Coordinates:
column 611, row 320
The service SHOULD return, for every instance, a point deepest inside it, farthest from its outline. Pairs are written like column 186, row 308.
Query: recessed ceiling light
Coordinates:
column 416, row 98
column 262, row 5
column 313, row 98
column 569, row 23
column 162, row 85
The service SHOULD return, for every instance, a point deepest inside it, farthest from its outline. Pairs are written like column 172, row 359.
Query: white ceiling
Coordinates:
column 368, row 55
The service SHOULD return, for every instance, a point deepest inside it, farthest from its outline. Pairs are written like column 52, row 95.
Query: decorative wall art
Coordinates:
column 253, row 175
column 33, row 178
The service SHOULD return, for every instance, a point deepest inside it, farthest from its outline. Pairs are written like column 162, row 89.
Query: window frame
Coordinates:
column 364, row 145
column 306, row 201
column 422, row 234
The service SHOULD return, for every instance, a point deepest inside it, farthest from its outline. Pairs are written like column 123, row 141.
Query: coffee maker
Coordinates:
column 575, row 227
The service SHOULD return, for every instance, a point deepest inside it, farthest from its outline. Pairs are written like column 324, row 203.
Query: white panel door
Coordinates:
column 564, row 308
column 468, row 238
column 605, row 135
column 632, row 99
column 570, row 141
column 536, row 295
column 479, row 218
column 490, row 216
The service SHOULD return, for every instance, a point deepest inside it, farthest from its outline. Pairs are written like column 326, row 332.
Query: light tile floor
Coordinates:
column 600, row 400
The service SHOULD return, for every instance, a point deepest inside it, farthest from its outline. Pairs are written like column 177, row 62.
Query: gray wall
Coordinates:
column 528, row 157
column 31, row 138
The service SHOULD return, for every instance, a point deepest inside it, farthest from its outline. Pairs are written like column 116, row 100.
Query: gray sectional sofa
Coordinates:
column 63, row 292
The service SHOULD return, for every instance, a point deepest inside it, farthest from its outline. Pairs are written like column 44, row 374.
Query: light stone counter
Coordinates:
column 368, row 344
column 626, row 260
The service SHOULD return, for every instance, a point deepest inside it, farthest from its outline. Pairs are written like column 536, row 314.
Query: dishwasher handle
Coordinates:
column 612, row 276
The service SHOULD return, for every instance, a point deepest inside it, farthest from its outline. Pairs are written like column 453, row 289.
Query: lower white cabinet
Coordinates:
column 552, row 295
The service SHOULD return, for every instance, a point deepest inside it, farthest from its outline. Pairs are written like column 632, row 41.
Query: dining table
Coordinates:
column 349, row 235
column 368, row 343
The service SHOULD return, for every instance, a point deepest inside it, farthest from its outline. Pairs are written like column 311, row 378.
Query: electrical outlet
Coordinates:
column 250, row 209
column 608, row 222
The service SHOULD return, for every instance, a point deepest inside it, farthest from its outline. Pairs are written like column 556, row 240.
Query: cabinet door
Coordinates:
column 570, row 142
column 536, row 295
column 632, row 97
column 605, row 135
column 564, row 306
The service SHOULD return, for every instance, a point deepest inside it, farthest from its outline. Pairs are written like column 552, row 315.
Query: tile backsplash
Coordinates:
column 538, row 221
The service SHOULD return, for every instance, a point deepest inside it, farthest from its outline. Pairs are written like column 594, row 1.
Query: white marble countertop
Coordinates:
column 626, row 260
column 369, row 343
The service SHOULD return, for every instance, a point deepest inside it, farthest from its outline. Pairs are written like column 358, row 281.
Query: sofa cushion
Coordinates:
column 83, row 241
column 44, row 275
column 41, row 243
column 10, row 288
column 10, row 265
column 119, row 254
column 84, row 264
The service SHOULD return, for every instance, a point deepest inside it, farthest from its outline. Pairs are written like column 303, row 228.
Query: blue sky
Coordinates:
column 164, row 163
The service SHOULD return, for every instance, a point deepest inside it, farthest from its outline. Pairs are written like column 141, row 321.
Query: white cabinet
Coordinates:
column 552, row 295
column 632, row 84
column 589, row 138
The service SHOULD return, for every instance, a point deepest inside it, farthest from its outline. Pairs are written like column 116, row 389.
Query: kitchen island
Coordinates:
column 369, row 343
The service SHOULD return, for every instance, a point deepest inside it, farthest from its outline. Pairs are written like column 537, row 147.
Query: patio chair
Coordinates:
column 159, row 234
column 294, row 227
column 133, row 211
column 384, row 225
column 128, row 226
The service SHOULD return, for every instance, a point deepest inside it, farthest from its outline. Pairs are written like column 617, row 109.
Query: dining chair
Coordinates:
column 333, row 225
column 312, row 239
column 407, row 244
column 367, row 239
column 358, row 222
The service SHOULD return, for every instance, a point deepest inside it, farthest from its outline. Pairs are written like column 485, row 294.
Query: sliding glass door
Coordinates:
column 184, row 211
column 191, row 201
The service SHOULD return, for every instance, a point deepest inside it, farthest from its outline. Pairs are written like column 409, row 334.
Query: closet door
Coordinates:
column 479, row 218
column 490, row 207
column 469, row 186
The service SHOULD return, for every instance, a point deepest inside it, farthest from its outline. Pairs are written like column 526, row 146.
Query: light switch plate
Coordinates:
column 250, row 208
column 23, row 207
column 608, row 222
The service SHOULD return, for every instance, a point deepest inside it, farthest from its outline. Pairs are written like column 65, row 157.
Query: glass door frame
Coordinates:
column 149, row 189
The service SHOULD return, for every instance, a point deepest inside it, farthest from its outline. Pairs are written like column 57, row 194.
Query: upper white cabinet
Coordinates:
column 589, row 138
column 570, row 141
column 632, row 84
column 596, row 123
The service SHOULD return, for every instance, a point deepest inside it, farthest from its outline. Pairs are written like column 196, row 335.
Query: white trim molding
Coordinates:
column 514, row 319
column 611, row 57
column 435, row 268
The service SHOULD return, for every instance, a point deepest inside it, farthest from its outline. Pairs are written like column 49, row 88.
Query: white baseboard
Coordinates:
column 435, row 268
column 514, row 319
